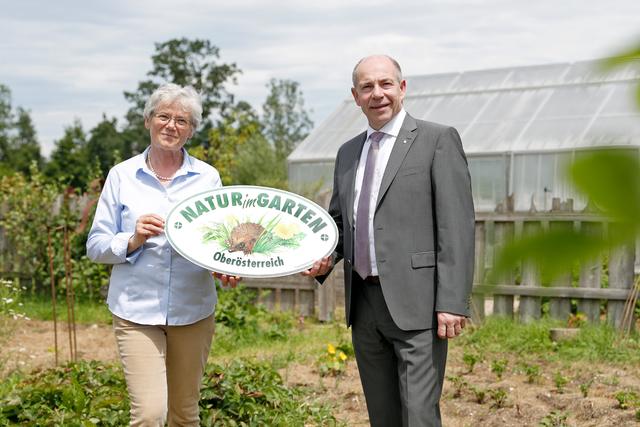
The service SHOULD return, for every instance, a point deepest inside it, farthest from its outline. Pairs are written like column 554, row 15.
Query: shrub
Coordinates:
column 85, row 393
column 252, row 393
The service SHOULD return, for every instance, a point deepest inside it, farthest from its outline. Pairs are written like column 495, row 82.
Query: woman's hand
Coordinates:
column 227, row 281
column 147, row 225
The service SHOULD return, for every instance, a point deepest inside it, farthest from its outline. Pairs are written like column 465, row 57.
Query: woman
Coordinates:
column 162, row 304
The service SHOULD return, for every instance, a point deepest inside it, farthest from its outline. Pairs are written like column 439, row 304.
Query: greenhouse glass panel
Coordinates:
column 614, row 131
column 553, row 134
column 488, row 181
column 537, row 75
column 305, row 176
column 575, row 101
column 458, row 108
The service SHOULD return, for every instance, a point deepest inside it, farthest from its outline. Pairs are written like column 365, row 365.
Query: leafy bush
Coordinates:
column 91, row 393
column 81, row 394
column 236, row 308
column 253, row 394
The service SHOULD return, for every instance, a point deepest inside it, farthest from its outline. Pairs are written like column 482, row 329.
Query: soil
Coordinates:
column 31, row 346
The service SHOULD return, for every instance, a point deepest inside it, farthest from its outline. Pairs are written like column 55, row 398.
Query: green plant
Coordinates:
column 498, row 367
column 480, row 394
column 594, row 343
column 80, row 394
column 236, row 308
column 246, row 393
column 10, row 300
column 459, row 384
column 499, row 397
column 554, row 419
column 627, row 399
column 532, row 372
column 585, row 386
column 560, row 381
column 470, row 360
column 332, row 362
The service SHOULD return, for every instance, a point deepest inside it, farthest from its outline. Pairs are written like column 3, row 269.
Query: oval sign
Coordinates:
column 251, row 231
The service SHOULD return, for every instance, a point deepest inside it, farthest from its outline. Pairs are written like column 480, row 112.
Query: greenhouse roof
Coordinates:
column 552, row 107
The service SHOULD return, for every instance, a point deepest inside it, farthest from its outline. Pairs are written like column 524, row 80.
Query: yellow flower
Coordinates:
column 331, row 349
column 342, row 356
column 286, row 231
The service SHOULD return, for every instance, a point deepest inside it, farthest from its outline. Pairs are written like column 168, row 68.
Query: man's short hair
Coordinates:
column 354, row 74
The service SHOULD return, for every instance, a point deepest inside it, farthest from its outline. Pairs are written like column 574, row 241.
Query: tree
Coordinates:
column 228, row 139
column 18, row 143
column 5, row 127
column 23, row 147
column 106, row 145
column 184, row 62
column 285, row 120
column 69, row 162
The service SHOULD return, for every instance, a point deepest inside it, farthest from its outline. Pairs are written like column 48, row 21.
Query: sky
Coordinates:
column 73, row 59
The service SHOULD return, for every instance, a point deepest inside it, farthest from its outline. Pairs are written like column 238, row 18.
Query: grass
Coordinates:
column 594, row 343
column 304, row 341
column 88, row 312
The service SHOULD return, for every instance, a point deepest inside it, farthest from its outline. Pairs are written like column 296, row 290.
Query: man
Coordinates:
column 402, row 202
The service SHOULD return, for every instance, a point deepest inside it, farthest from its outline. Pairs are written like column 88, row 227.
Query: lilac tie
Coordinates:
column 362, row 257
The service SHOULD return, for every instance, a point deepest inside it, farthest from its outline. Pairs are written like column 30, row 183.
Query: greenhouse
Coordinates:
column 519, row 126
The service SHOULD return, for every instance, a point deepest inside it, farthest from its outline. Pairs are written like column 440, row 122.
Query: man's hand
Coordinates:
column 450, row 325
column 319, row 267
column 227, row 281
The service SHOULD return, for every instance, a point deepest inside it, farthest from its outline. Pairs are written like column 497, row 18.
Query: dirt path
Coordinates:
column 31, row 346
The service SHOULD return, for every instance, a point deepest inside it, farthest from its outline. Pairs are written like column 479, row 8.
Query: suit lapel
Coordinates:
column 353, row 159
column 406, row 136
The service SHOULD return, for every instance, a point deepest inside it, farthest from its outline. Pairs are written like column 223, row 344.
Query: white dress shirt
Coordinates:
column 391, row 131
column 153, row 285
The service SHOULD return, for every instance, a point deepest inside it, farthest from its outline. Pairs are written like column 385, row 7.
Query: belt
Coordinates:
column 372, row 280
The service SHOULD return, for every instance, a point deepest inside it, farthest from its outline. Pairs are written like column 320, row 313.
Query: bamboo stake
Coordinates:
column 53, row 293
column 71, row 321
column 629, row 308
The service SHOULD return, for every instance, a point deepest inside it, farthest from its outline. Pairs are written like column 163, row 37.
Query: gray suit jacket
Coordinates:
column 423, row 224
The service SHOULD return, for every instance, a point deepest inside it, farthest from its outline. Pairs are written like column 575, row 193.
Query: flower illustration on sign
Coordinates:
column 250, row 236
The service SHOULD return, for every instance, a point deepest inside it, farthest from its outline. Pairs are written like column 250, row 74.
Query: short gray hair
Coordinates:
column 354, row 74
column 169, row 93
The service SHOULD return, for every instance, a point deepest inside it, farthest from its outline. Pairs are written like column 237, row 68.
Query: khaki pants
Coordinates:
column 163, row 367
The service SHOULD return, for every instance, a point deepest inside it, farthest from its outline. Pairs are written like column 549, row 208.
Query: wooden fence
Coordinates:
column 493, row 231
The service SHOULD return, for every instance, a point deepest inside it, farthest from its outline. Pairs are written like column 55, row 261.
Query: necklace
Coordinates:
column 160, row 177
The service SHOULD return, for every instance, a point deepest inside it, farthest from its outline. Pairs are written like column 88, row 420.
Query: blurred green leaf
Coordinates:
column 554, row 252
column 611, row 180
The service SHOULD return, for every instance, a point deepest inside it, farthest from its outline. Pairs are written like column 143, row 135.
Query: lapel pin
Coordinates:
column 404, row 142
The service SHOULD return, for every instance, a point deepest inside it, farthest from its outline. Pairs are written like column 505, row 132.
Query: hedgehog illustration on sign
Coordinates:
column 244, row 237
column 250, row 236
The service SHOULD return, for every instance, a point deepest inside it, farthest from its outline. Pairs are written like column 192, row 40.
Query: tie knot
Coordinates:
column 376, row 136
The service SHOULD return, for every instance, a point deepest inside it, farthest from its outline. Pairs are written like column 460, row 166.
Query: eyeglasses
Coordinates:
column 165, row 119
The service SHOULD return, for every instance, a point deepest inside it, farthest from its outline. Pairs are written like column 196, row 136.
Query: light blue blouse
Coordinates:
column 153, row 285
